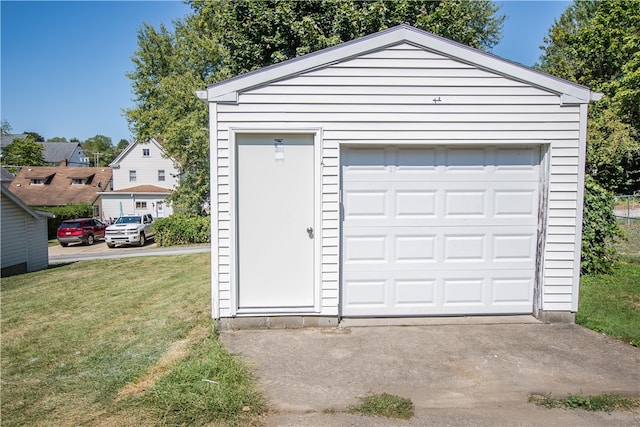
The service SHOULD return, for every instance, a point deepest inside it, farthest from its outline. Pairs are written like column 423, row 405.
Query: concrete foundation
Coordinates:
column 557, row 316
column 277, row 322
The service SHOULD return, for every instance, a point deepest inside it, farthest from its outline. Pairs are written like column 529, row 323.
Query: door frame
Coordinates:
column 234, row 133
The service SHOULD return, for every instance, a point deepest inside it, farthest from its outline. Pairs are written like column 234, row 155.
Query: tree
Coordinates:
column 225, row 38
column 99, row 148
column 23, row 152
column 6, row 128
column 57, row 139
column 122, row 144
column 35, row 135
column 596, row 44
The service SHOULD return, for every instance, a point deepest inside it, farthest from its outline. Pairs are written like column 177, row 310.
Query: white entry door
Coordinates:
column 275, row 220
column 439, row 230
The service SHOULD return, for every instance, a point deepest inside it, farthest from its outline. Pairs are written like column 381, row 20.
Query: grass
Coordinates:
column 119, row 342
column 630, row 246
column 611, row 303
column 603, row 402
column 385, row 405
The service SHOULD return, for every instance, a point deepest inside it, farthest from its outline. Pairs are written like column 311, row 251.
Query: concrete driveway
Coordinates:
column 455, row 374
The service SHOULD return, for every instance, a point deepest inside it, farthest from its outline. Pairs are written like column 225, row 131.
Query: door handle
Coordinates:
column 310, row 231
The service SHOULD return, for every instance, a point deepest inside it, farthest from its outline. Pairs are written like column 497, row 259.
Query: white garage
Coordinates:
column 397, row 175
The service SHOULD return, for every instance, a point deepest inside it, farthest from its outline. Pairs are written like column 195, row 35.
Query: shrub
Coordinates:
column 599, row 229
column 62, row 213
column 182, row 229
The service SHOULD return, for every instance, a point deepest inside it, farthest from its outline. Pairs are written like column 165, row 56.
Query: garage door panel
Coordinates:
column 400, row 248
column 406, row 201
column 439, row 231
column 414, row 293
column 441, row 164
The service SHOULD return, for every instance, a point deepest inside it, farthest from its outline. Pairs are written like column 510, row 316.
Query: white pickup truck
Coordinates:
column 130, row 230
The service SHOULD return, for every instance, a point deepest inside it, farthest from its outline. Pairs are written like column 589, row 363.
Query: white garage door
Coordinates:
column 439, row 231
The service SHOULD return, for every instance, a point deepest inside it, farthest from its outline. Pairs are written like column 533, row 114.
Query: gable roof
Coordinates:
column 125, row 152
column 56, row 152
column 15, row 199
column 60, row 189
column 227, row 91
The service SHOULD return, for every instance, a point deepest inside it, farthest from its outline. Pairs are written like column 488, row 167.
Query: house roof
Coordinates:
column 15, row 199
column 56, row 152
column 116, row 162
column 6, row 176
column 228, row 90
column 60, row 189
column 138, row 189
column 8, row 139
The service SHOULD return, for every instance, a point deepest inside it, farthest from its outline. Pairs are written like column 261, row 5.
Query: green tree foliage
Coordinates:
column 122, row 144
column 225, row 38
column 599, row 229
column 100, row 145
column 595, row 43
column 22, row 152
column 35, row 135
column 182, row 229
column 57, row 139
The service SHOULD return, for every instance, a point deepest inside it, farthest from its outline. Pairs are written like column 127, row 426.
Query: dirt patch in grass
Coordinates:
column 177, row 351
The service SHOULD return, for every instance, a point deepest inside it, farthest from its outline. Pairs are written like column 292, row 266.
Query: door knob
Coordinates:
column 310, row 230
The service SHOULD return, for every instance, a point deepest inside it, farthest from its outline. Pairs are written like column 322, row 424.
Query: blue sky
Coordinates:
column 63, row 64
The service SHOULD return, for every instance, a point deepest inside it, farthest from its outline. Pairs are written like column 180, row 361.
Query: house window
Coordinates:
column 161, row 175
column 146, row 152
column 77, row 181
column 132, row 176
column 141, row 205
column 37, row 181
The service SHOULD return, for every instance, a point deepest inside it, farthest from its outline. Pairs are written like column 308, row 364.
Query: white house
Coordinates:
column 397, row 175
column 24, row 236
column 143, row 177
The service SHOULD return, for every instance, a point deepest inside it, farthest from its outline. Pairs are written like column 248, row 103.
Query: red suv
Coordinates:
column 85, row 230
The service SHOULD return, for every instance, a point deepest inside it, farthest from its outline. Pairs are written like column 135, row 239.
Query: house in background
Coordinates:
column 24, row 236
column 397, row 175
column 6, row 177
column 58, row 185
column 55, row 153
column 143, row 177
column 64, row 154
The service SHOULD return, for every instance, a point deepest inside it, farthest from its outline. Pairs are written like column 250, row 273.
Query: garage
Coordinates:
column 396, row 175
column 439, row 231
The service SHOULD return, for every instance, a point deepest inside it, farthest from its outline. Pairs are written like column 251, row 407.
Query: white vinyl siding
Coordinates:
column 387, row 97
column 146, row 168
column 24, row 238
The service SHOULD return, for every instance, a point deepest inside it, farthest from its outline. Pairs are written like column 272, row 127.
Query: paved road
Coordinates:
column 78, row 252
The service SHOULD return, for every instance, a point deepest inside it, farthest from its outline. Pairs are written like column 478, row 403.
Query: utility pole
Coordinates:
column 96, row 159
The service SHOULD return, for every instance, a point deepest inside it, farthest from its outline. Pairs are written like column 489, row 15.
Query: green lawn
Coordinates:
column 611, row 303
column 119, row 342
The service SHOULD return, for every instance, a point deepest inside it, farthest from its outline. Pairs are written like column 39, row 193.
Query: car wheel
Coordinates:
column 111, row 245
column 143, row 239
column 90, row 239
column 64, row 245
